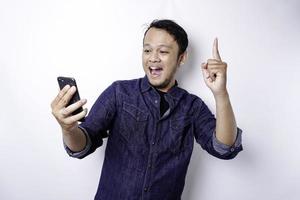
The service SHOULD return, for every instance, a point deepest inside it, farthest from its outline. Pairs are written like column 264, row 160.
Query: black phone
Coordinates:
column 62, row 82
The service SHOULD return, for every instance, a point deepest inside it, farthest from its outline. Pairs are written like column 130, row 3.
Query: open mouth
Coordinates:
column 155, row 71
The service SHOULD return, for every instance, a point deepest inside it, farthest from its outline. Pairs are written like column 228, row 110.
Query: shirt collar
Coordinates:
column 145, row 85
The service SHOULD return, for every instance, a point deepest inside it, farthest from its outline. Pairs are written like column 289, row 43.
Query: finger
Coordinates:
column 206, row 76
column 66, row 98
column 221, row 68
column 214, row 61
column 62, row 114
column 71, row 108
column 213, row 75
column 204, row 70
column 217, row 67
column 216, row 54
column 216, row 70
column 74, row 118
column 61, row 93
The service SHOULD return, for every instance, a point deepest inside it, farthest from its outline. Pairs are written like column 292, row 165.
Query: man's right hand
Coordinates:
column 63, row 114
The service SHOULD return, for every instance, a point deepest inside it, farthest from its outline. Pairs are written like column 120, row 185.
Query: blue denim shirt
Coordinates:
column 147, row 156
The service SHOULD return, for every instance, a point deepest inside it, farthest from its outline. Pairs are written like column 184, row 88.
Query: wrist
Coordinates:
column 69, row 130
column 221, row 95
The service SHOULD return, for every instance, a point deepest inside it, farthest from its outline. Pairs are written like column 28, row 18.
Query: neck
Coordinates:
column 168, row 87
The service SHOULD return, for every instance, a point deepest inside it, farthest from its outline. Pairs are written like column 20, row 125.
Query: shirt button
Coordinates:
column 145, row 189
column 153, row 143
column 155, row 101
column 232, row 149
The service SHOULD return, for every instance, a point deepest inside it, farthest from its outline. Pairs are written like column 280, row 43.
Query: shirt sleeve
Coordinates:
column 222, row 148
column 82, row 153
column 98, row 122
column 204, row 132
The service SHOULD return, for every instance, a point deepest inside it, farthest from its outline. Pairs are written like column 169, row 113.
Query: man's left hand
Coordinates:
column 214, row 72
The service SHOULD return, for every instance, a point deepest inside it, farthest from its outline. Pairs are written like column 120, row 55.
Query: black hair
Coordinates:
column 174, row 30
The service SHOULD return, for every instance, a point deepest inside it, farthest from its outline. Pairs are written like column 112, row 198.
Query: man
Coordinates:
column 151, row 123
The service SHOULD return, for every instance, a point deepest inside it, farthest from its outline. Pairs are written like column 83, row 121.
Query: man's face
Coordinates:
column 160, row 58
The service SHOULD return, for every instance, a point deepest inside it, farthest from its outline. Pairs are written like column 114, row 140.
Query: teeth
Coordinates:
column 155, row 68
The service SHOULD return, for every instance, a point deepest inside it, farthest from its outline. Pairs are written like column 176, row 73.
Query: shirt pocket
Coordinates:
column 181, row 134
column 133, row 123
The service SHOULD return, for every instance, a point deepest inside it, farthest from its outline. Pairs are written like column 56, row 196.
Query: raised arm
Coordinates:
column 214, row 74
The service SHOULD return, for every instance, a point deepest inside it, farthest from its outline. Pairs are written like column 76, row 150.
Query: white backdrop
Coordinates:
column 98, row 42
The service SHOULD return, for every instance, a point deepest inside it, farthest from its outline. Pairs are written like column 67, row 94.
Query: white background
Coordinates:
column 98, row 42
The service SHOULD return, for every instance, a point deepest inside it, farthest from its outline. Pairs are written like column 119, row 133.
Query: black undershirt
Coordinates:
column 164, row 106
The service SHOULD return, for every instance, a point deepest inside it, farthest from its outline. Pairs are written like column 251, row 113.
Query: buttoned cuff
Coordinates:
column 87, row 147
column 223, row 148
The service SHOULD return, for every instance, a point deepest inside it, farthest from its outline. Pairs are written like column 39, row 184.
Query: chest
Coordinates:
column 140, row 126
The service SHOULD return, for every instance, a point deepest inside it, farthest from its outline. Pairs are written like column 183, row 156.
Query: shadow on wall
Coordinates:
column 195, row 182
column 194, row 171
column 190, row 67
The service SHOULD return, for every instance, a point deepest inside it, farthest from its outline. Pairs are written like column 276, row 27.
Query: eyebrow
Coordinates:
column 161, row 45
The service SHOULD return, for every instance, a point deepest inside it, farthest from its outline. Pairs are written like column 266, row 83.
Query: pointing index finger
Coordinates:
column 215, row 52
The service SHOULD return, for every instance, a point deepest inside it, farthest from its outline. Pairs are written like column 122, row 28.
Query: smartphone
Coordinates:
column 62, row 82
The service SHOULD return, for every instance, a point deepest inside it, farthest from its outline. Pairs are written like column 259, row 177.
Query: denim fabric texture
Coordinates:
column 147, row 156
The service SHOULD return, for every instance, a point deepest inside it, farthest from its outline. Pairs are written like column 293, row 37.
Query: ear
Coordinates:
column 183, row 58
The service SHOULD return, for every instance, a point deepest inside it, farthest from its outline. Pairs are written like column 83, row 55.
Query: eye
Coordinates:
column 146, row 50
column 164, row 52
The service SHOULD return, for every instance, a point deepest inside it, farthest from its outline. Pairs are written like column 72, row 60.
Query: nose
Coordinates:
column 154, row 57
